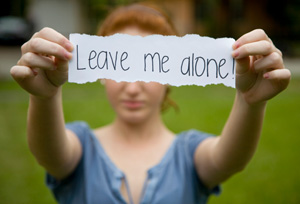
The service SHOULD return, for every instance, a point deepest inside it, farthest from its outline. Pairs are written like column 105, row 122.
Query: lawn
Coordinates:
column 271, row 177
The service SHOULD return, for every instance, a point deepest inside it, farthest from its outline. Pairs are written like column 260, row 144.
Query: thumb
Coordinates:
column 59, row 76
column 245, row 77
column 62, row 65
column 242, row 65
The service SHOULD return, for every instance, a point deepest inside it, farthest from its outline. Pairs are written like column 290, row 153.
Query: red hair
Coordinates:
column 145, row 17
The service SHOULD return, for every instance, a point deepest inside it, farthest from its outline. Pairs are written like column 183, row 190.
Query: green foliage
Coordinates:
column 97, row 10
column 271, row 177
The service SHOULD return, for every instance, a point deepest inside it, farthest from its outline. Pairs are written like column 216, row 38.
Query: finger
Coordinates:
column 272, row 61
column 253, row 36
column 54, row 36
column 19, row 73
column 278, row 74
column 280, row 78
column 262, row 47
column 33, row 60
column 45, row 47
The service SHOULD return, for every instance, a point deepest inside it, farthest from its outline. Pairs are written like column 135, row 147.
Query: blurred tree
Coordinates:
column 222, row 18
column 280, row 19
column 97, row 10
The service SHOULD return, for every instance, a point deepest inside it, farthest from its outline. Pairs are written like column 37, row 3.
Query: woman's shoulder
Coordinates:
column 78, row 125
column 81, row 129
column 193, row 134
column 190, row 139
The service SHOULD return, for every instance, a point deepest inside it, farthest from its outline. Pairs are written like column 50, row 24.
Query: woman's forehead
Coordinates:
column 134, row 30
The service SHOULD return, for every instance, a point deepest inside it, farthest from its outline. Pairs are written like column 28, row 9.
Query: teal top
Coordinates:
column 96, row 179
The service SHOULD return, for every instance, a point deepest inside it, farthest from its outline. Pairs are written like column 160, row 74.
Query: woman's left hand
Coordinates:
column 260, row 72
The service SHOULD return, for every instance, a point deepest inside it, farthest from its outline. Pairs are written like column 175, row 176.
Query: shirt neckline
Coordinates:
column 119, row 173
column 152, row 172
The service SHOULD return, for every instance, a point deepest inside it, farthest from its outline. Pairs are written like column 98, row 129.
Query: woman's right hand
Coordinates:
column 43, row 66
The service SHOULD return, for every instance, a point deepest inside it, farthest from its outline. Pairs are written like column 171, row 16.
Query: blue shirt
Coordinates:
column 96, row 179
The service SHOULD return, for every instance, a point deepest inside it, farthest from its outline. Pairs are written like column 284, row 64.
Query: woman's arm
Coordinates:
column 260, row 76
column 41, row 71
column 56, row 149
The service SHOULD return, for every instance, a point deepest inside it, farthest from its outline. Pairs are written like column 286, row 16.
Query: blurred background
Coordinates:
column 273, row 174
column 19, row 19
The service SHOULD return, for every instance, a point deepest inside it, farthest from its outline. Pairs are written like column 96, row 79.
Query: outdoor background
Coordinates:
column 273, row 174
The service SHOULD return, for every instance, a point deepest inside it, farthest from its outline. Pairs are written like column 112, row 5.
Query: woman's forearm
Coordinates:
column 47, row 137
column 240, row 136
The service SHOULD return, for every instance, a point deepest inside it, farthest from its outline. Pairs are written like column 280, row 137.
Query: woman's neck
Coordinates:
column 139, row 132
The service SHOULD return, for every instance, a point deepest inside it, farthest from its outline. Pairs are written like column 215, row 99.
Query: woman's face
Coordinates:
column 138, row 101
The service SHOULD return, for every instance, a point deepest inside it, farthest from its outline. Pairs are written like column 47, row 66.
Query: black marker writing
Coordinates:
column 160, row 61
column 197, row 66
column 78, row 68
column 105, row 59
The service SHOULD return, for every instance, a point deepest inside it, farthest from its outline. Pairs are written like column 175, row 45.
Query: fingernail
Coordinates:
column 68, row 55
column 266, row 75
column 236, row 45
column 35, row 71
column 235, row 54
column 69, row 46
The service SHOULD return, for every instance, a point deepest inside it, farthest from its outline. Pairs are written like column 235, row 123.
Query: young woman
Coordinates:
column 136, row 159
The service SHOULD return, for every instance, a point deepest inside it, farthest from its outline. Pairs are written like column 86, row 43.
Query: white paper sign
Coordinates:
column 188, row 60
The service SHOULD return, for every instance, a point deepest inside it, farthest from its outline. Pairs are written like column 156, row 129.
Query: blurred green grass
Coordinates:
column 271, row 177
